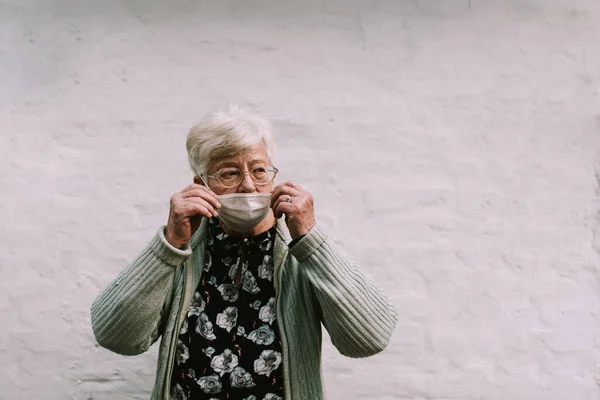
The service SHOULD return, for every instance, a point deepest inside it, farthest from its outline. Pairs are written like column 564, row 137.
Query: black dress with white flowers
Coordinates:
column 229, row 345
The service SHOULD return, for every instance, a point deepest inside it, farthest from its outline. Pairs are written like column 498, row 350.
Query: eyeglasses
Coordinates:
column 232, row 177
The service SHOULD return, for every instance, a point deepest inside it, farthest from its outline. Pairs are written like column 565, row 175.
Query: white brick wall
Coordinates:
column 453, row 145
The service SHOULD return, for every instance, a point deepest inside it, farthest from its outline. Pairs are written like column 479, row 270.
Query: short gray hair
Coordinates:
column 225, row 133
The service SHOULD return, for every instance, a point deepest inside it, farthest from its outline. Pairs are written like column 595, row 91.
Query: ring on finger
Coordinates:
column 289, row 199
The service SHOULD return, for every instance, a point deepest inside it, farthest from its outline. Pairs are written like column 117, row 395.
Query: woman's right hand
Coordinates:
column 186, row 211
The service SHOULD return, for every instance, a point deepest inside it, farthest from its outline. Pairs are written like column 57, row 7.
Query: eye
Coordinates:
column 260, row 173
column 229, row 173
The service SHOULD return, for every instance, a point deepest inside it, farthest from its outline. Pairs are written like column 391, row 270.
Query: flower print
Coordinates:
column 182, row 353
column 205, row 328
column 209, row 351
column 232, row 271
column 241, row 331
column 266, row 244
column 271, row 396
column 210, row 384
column 184, row 327
column 263, row 335
column 177, row 393
column 229, row 245
column 225, row 362
column 255, row 304
column 251, row 397
column 197, row 305
column 239, row 378
column 213, row 280
column 267, row 313
column 268, row 362
column 207, row 263
column 265, row 270
column 191, row 374
column 227, row 319
column 229, row 292
column 250, row 284
column 228, row 261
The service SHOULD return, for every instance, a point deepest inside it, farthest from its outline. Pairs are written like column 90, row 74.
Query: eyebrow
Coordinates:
column 226, row 164
column 255, row 161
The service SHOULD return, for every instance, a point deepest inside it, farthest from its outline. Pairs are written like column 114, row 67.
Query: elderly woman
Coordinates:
column 239, row 281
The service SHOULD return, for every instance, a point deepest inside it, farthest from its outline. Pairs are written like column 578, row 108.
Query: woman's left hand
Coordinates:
column 296, row 204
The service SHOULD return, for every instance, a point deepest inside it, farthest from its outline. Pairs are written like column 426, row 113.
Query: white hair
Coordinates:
column 226, row 133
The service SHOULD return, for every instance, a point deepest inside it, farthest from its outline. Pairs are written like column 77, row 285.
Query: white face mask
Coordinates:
column 243, row 211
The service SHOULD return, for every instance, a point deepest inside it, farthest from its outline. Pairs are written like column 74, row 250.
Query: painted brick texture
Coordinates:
column 453, row 146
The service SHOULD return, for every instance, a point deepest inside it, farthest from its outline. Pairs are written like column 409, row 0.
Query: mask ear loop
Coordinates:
column 205, row 183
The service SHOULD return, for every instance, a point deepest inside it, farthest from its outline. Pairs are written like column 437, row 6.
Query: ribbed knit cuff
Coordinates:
column 309, row 243
column 166, row 252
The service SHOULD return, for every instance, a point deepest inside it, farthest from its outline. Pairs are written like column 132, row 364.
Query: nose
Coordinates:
column 247, row 185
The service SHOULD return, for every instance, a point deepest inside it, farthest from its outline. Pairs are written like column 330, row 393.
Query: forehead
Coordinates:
column 253, row 155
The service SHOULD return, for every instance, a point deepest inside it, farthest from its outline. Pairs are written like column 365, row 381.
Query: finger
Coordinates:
column 282, row 208
column 286, row 197
column 198, row 193
column 195, row 186
column 194, row 205
column 298, row 191
column 188, row 187
column 284, row 191
column 293, row 204
column 202, row 203
column 295, row 186
column 275, row 207
column 284, row 184
column 191, row 210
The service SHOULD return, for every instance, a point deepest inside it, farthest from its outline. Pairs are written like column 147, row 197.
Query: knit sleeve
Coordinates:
column 355, row 310
column 129, row 315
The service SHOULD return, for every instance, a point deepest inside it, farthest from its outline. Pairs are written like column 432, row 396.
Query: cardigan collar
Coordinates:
column 198, row 247
column 283, row 234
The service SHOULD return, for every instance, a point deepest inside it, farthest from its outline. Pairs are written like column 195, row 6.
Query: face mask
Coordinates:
column 243, row 211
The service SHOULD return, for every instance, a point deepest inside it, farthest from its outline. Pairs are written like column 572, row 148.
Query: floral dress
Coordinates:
column 229, row 344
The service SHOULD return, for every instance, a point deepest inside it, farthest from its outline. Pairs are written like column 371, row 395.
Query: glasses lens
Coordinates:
column 229, row 177
column 262, row 175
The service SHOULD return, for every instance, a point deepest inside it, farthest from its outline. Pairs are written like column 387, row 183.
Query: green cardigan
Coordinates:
column 315, row 283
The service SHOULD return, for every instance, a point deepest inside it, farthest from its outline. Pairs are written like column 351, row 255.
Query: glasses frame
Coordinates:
column 269, row 168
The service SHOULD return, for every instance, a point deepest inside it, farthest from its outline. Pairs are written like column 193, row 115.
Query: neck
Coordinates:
column 263, row 226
